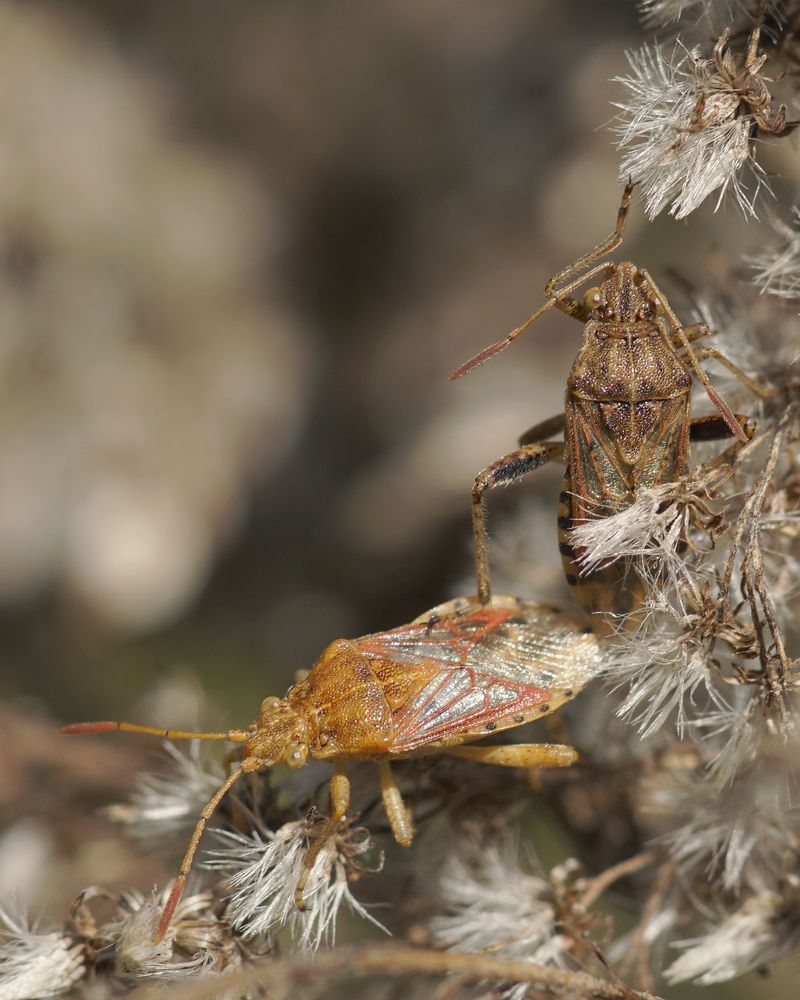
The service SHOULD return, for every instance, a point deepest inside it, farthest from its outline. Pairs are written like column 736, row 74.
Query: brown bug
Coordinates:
column 455, row 674
column 626, row 417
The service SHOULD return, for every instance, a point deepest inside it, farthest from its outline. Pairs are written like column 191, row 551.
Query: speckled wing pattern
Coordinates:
column 491, row 666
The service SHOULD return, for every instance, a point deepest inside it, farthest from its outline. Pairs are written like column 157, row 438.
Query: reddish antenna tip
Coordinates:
column 89, row 727
column 480, row 357
column 169, row 907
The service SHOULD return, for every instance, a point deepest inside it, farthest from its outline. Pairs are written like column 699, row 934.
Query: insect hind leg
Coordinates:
column 506, row 470
column 714, row 428
column 519, row 755
column 396, row 810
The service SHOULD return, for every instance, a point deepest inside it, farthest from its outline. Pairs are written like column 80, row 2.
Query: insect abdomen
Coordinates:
column 606, row 593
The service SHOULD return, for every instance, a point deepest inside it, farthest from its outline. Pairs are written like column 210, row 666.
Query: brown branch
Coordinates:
column 598, row 885
column 282, row 975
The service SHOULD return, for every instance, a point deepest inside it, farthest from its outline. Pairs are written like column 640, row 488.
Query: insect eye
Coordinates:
column 270, row 704
column 646, row 311
column 593, row 298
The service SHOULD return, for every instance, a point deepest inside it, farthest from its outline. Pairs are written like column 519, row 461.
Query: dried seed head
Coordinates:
column 35, row 964
column 757, row 934
column 265, row 868
column 686, row 132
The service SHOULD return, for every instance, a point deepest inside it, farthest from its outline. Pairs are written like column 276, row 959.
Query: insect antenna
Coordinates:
column 552, row 290
column 235, row 735
column 186, row 864
column 500, row 345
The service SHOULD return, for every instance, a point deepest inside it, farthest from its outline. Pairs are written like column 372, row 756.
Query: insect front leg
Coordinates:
column 692, row 332
column 396, row 810
column 340, row 801
column 519, row 755
column 541, row 431
column 752, row 384
column 506, row 470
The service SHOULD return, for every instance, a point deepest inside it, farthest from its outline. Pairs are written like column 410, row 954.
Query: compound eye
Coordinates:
column 646, row 311
column 296, row 758
column 593, row 299
column 270, row 704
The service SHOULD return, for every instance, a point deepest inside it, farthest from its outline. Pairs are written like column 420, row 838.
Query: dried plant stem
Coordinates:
column 640, row 950
column 598, row 885
column 283, row 975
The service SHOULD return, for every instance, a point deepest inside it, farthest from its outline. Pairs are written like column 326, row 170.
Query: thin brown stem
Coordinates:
column 282, row 976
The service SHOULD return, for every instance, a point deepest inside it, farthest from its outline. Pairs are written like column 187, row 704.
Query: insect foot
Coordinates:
column 450, row 677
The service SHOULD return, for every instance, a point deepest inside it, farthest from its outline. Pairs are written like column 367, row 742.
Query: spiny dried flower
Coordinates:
column 265, row 869
column 649, row 530
column 777, row 269
column 763, row 929
column 688, row 123
column 35, row 964
column 166, row 803
column 715, row 12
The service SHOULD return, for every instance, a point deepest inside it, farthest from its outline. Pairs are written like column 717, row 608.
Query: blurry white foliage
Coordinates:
column 494, row 905
column 265, row 869
column 147, row 379
column 737, row 836
column 748, row 938
column 776, row 270
column 683, row 134
column 168, row 802
column 33, row 964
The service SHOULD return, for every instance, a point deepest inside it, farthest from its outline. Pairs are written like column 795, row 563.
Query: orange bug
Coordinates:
column 453, row 675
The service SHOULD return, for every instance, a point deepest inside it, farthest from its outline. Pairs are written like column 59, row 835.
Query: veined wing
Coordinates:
column 489, row 666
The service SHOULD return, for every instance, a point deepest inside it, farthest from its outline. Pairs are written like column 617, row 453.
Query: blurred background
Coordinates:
column 241, row 246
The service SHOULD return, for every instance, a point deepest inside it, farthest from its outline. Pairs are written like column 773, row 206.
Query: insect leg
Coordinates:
column 679, row 334
column 519, row 755
column 251, row 764
column 541, row 431
column 571, row 307
column 752, row 384
column 396, row 810
column 340, row 800
column 714, row 428
column 506, row 470
column 693, row 332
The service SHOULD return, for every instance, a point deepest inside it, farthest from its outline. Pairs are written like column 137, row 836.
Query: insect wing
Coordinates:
column 493, row 665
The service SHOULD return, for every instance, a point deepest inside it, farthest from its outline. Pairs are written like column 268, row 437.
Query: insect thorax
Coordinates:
column 627, row 364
